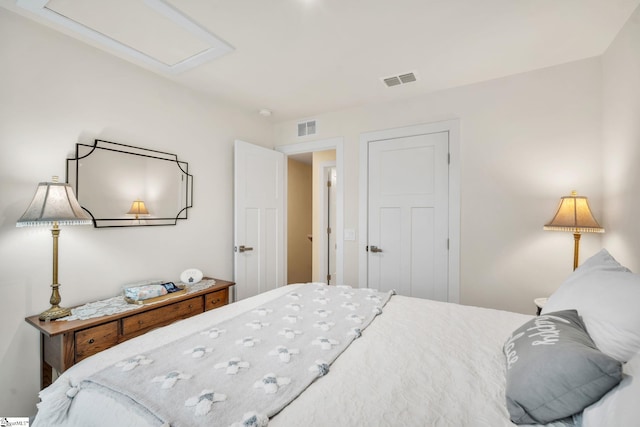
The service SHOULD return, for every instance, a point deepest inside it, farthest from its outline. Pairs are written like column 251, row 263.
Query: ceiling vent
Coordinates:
column 399, row 79
column 307, row 128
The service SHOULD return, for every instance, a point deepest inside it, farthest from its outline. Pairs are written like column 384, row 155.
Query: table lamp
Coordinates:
column 54, row 204
column 574, row 215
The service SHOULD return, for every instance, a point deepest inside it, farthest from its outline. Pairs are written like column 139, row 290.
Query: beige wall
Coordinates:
column 54, row 92
column 621, row 144
column 299, row 212
column 525, row 141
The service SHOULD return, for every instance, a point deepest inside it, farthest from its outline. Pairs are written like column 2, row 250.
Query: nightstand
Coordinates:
column 539, row 302
column 65, row 343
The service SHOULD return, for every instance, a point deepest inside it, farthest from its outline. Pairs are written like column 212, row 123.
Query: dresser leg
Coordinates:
column 46, row 371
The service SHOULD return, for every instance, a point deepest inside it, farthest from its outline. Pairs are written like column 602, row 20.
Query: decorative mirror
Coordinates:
column 124, row 186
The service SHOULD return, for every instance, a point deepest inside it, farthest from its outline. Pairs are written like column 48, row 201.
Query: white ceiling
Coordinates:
column 299, row 58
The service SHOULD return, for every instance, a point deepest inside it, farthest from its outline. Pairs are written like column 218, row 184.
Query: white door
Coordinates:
column 408, row 215
column 259, row 203
column 328, row 244
column 331, row 265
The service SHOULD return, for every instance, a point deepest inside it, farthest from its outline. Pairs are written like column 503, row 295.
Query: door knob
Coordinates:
column 375, row 249
column 243, row 248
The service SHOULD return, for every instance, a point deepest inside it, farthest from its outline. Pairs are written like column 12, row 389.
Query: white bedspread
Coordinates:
column 420, row 363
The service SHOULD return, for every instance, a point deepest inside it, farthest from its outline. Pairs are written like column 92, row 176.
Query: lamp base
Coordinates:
column 576, row 249
column 55, row 312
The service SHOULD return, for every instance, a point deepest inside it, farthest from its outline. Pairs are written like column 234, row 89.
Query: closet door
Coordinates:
column 408, row 215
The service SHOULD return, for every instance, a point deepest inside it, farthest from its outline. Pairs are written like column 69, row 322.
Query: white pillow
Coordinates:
column 600, row 261
column 620, row 406
column 607, row 296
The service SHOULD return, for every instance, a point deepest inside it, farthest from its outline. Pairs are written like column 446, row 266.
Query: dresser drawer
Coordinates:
column 139, row 323
column 216, row 299
column 93, row 340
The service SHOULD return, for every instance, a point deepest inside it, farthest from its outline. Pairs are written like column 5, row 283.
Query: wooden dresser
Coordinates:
column 65, row 343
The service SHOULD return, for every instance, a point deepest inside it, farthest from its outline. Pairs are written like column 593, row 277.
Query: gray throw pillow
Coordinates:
column 554, row 369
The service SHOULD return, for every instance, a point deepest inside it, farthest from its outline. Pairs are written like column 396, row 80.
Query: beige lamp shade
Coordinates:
column 574, row 215
column 53, row 202
column 138, row 208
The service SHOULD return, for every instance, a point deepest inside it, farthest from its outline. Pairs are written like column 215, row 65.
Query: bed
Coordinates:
column 412, row 362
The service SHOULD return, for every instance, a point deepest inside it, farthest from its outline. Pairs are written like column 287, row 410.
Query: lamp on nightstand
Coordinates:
column 54, row 204
column 574, row 215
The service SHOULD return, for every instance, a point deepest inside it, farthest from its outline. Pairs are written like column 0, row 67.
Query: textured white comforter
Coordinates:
column 420, row 363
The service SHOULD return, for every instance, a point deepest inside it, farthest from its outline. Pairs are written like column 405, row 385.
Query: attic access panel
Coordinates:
column 149, row 31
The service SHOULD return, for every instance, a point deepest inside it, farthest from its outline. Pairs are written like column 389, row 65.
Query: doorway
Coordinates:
column 311, row 213
column 299, row 241
column 327, row 250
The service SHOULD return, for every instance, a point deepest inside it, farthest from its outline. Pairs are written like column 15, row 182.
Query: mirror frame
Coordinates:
column 74, row 179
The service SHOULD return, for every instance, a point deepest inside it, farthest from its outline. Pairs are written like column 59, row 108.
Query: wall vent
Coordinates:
column 399, row 79
column 307, row 128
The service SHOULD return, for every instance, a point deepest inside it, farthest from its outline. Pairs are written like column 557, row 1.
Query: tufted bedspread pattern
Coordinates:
column 421, row 363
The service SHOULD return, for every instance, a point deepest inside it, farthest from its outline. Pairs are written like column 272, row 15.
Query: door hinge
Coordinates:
column 328, row 277
column 328, row 230
column 447, row 244
column 328, row 183
column 449, row 158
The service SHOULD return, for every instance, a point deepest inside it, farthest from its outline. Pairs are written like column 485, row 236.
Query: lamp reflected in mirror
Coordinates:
column 138, row 209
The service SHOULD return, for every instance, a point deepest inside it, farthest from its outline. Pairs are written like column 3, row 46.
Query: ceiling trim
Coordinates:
column 217, row 46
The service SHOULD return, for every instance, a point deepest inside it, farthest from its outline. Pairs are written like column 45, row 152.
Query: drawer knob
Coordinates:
column 91, row 341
